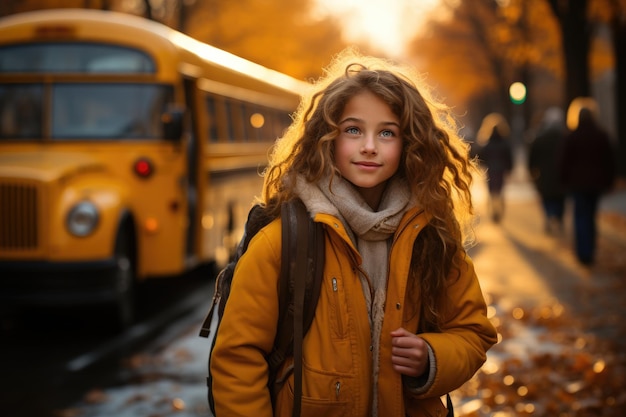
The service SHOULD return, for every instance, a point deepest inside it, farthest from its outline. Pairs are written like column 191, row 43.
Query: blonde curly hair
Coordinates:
column 435, row 158
column 435, row 161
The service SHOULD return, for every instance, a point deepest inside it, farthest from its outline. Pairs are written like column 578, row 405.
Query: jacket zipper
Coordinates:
column 337, row 306
column 361, row 271
column 393, row 241
column 337, row 389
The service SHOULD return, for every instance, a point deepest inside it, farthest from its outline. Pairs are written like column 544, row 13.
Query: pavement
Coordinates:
column 562, row 337
column 612, row 212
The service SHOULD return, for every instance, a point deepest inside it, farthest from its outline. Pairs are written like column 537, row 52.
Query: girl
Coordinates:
column 401, row 319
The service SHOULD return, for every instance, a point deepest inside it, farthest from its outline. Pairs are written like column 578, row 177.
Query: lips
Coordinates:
column 367, row 164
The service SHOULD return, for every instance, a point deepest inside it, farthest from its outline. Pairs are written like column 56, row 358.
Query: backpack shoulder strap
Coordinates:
column 298, row 267
column 315, row 270
column 303, row 249
column 300, row 285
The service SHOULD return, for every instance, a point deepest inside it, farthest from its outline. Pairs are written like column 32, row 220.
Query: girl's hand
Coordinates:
column 409, row 354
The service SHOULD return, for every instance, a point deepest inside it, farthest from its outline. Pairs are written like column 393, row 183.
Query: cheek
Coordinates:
column 394, row 156
column 342, row 152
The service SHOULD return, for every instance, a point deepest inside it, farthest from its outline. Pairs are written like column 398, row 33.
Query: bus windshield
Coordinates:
column 21, row 111
column 74, row 57
column 84, row 111
column 108, row 110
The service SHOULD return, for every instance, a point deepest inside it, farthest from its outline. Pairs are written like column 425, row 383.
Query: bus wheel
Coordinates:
column 124, row 280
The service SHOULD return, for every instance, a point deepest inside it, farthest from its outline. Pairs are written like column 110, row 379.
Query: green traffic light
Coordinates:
column 517, row 92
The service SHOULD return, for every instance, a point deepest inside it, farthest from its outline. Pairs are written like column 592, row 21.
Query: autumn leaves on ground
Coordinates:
column 564, row 373
column 562, row 349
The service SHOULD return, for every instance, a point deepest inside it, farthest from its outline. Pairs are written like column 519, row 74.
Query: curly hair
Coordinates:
column 434, row 158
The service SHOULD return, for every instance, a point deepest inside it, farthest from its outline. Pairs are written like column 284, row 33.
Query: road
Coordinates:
column 53, row 358
column 562, row 336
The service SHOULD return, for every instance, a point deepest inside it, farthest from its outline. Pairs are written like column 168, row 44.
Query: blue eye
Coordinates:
column 387, row 134
column 352, row 130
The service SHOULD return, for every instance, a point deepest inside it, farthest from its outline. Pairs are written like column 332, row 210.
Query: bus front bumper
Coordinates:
column 56, row 283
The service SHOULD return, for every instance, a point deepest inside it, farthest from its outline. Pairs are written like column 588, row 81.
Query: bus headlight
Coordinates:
column 82, row 219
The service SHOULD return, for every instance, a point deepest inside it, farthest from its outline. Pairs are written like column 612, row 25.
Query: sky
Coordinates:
column 385, row 24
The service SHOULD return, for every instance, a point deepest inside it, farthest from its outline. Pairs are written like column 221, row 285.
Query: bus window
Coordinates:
column 211, row 107
column 251, row 131
column 272, row 124
column 284, row 120
column 224, row 131
column 74, row 57
column 231, row 120
column 104, row 111
column 20, row 111
column 267, row 131
column 236, row 120
column 244, row 123
column 277, row 130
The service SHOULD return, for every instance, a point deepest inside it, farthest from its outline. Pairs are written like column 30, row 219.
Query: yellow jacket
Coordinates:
column 337, row 370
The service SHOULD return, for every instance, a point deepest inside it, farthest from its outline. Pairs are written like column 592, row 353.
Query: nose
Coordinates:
column 369, row 145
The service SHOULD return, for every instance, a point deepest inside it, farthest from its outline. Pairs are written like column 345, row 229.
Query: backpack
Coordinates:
column 302, row 262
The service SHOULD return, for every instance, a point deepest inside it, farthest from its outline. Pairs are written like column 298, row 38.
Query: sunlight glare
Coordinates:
column 385, row 25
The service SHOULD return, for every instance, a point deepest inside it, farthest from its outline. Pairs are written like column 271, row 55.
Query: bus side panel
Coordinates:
column 229, row 197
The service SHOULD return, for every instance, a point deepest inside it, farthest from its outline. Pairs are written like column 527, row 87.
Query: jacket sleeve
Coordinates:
column 461, row 348
column 247, row 330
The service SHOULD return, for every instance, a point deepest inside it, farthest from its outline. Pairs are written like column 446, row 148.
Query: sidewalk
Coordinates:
column 612, row 213
column 562, row 349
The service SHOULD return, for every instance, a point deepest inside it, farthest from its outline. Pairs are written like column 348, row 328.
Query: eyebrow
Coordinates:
column 357, row 120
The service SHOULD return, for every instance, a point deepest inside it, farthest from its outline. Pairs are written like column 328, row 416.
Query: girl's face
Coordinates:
column 369, row 145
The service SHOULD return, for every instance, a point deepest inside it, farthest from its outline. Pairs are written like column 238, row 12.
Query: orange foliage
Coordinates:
column 280, row 35
column 470, row 50
column 484, row 46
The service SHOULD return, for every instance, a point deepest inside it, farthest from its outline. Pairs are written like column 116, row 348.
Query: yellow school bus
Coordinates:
column 128, row 151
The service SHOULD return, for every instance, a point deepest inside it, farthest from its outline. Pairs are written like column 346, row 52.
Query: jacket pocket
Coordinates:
column 323, row 394
column 337, row 316
column 427, row 407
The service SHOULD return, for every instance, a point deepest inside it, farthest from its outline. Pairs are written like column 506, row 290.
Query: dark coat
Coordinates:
column 587, row 163
column 496, row 156
column 543, row 161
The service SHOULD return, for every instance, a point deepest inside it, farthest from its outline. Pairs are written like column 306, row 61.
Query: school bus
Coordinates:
column 128, row 151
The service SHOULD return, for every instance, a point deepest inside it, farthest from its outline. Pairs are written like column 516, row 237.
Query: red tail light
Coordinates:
column 143, row 167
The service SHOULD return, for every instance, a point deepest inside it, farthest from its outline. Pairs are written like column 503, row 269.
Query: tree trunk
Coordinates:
column 618, row 28
column 576, row 39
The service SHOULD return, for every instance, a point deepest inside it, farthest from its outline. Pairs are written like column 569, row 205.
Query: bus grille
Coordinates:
column 19, row 226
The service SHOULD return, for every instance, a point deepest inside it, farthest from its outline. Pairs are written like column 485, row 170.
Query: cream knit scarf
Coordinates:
column 371, row 232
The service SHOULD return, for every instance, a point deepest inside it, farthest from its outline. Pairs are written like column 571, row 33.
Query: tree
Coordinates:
column 280, row 35
column 578, row 20
column 481, row 47
column 576, row 33
column 617, row 21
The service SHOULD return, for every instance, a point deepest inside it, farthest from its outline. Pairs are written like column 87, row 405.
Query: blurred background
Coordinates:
column 470, row 51
column 561, row 327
